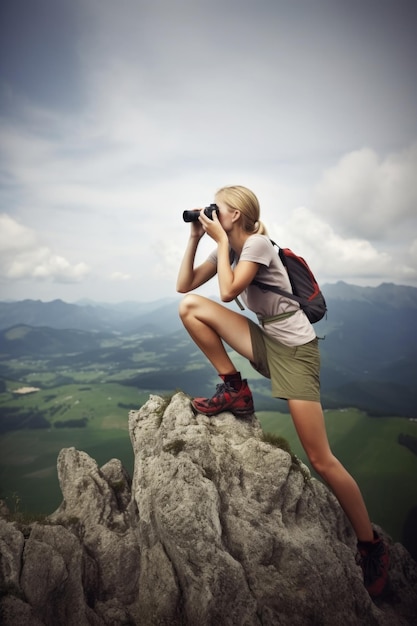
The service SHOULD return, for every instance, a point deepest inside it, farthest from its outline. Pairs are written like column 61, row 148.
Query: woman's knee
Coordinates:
column 188, row 304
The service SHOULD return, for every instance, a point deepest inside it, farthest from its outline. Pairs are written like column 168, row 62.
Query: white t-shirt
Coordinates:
column 294, row 330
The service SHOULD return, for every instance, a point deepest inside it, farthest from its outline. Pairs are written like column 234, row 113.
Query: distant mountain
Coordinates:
column 347, row 304
column 23, row 340
column 129, row 307
column 124, row 317
column 387, row 294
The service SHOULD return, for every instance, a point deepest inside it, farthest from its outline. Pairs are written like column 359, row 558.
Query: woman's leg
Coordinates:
column 309, row 423
column 209, row 324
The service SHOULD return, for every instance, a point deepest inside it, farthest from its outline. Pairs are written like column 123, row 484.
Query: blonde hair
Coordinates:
column 244, row 200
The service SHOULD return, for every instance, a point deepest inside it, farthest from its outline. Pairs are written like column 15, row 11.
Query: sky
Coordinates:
column 117, row 116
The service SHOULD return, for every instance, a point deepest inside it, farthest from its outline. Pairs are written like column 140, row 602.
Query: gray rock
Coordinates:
column 217, row 527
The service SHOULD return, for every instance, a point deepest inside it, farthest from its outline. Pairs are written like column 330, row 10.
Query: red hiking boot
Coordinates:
column 226, row 398
column 373, row 558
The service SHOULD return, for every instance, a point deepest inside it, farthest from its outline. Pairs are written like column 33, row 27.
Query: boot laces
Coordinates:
column 221, row 388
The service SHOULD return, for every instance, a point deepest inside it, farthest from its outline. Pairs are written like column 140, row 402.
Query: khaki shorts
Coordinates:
column 294, row 370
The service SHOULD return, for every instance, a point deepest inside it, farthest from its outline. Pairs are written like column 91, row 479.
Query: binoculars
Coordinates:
column 192, row 216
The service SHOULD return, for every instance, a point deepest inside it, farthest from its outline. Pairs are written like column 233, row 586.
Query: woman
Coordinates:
column 283, row 347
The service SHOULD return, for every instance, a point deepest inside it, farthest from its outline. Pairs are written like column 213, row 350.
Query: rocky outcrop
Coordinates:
column 217, row 527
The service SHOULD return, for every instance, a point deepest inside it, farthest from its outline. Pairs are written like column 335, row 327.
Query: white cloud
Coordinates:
column 371, row 196
column 120, row 277
column 166, row 111
column 332, row 256
column 169, row 256
column 413, row 250
column 14, row 237
column 23, row 256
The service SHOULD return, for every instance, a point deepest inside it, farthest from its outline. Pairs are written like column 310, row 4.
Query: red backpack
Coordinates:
column 306, row 290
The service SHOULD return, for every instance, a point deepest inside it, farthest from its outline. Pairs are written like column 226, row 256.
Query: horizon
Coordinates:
column 177, row 296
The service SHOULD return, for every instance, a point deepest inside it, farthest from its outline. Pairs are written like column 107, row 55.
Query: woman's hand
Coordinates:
column 197, row 229
column 212, row 226
column 190, row 277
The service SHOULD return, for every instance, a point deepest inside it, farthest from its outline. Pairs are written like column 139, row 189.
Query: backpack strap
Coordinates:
column 275, row 318
column 279, row 291
column 239, row 304
column 273, row 288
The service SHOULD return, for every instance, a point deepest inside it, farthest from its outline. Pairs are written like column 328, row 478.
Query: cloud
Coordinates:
column 369, row 196
column 158, row 112
column 413, row 250
column 14, row 237
column 23, row 256
column 243, row 81
column 169, row 256
column 333, row 256
column 120, row 277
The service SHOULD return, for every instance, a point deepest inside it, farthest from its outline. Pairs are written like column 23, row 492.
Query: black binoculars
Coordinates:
column 192, row 216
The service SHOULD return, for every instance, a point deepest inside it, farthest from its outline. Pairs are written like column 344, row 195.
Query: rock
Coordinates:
column 216, row 527
column 11, row 549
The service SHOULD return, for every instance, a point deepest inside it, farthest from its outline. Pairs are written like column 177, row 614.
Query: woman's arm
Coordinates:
column 189, row 277
column 231, row 281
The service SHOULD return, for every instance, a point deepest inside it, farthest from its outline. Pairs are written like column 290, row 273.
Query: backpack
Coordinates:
column 306, row 290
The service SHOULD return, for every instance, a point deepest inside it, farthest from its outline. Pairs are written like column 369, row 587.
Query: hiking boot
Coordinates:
column 373, row 558
column 239, row 402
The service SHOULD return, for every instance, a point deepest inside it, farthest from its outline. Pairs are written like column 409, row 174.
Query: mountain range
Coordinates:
column 368, row 348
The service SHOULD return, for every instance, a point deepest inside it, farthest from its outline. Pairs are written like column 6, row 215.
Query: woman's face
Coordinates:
column 227, row 216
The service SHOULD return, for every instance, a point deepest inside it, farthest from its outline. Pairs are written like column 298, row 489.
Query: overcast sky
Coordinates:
column 117, row 116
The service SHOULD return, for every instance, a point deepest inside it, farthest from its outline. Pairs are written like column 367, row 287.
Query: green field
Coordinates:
column 28, row 462
column 368, row 447
column 87, row 389
column 104, row 405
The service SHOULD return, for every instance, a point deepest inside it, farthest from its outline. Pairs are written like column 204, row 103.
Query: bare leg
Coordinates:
column 309, row 422
column 209, row 324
